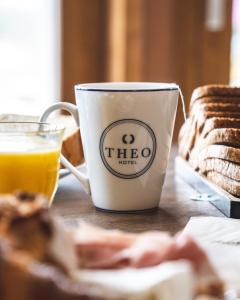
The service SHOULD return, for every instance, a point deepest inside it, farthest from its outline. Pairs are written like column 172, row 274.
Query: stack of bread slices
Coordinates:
column 210, row 138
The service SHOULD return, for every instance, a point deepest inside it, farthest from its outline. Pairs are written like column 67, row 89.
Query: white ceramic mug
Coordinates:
column 126, row 130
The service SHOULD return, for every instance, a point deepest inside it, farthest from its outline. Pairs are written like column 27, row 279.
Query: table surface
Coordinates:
column 175, row 209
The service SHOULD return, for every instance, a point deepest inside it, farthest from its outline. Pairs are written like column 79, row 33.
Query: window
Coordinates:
column 29, row 58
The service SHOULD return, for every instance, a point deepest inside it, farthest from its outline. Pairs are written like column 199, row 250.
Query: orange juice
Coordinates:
column 30, row 166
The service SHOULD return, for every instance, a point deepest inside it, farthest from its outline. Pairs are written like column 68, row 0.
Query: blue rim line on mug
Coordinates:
column 92, row 87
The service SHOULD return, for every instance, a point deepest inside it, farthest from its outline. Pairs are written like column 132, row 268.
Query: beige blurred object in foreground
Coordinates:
column 39, row 257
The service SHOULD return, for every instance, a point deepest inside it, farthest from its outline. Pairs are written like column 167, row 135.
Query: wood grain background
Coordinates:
column 142, row 40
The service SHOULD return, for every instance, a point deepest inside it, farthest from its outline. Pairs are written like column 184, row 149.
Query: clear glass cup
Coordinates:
column 30, row 157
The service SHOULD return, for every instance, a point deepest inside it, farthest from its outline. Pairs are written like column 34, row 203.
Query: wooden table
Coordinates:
column 175, row 209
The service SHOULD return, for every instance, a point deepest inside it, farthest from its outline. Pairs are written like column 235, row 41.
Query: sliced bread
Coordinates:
column 215, row 90
column 223, row 152
column 221, row 122
column 215, row 107
column 223, row 136
column 229, row 185
column 224, row 167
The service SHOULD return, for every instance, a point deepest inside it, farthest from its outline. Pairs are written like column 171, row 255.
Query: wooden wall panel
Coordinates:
column 159, row 53
column 126, row 40
column 187, row 37
column 136, row 37
column 143, row 40
column 176, row 46
column 83, row 44
column 116, row 40
column 216, row 51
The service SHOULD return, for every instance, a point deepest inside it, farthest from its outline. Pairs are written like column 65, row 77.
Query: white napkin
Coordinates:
column 168, row 281
column 220, row 237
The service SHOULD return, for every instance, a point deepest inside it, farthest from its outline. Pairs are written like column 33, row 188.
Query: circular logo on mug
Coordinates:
column 128, row 148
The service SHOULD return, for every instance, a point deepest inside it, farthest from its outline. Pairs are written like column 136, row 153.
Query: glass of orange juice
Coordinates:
column 30, row 157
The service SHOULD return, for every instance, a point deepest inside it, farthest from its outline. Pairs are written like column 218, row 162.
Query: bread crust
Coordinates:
column 210, row 90
column 214, row 123
column 215, row 107
column 222, row 152
column 223, row 136
column 224, row 167
column 214, row 100
column 72, row 148
column 228, row 184
column 187, row 140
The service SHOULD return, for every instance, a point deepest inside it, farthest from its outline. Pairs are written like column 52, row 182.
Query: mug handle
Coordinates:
column 72, row 109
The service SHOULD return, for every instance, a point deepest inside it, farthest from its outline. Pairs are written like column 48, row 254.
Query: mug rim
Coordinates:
column 52, row 128
column 127, row 86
